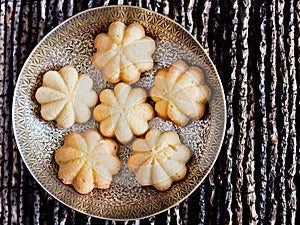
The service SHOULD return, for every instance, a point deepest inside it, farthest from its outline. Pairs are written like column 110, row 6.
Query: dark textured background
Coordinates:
column 255, row 46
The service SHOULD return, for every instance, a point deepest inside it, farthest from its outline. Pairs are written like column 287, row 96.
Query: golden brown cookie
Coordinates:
column 123, row 53
column 87, row 161
column 159, row 159
column 66, row 97
column 180, row 93
column 123, row 112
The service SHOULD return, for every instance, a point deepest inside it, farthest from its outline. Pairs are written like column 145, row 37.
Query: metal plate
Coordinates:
column 71, row 43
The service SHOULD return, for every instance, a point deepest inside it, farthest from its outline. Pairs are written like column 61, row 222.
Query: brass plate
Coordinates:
column 71, row 43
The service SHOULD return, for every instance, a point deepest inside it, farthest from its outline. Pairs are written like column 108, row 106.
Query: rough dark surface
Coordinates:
column 255, row 46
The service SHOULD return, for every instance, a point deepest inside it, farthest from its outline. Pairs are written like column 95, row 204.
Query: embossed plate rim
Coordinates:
column 15, row 107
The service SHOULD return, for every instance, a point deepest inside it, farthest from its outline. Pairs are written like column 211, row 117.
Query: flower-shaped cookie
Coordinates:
column 180, row 93
column 87, row 161
column 66, row 97
column 123, row 112
column 123, row 53
column 159, row 159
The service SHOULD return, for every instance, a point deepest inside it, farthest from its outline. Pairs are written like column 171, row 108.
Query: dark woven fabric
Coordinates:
column 255, row 46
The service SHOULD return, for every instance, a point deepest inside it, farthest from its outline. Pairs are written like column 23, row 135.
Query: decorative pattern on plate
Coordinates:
column 72, row 44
